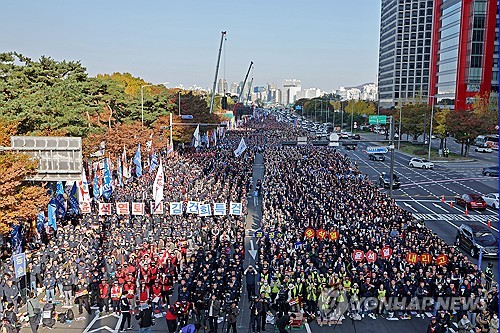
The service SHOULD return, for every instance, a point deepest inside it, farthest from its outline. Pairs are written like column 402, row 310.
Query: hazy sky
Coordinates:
column 324, row 43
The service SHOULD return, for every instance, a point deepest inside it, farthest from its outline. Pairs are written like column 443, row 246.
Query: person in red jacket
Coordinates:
column 116, row 294
column 143, row 293
column 129, row 291
column 104, row 291
column 171, row 318
column 156, row 293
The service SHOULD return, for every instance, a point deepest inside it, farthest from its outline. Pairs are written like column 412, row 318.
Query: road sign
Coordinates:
column 20, row 265
column 373, row 150
column 298, row 107
column 377, row 120
column 187, row 116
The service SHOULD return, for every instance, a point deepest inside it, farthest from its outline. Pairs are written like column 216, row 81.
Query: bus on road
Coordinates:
column 490, row 141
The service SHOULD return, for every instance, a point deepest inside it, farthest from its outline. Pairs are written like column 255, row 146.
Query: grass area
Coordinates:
column 422, row 151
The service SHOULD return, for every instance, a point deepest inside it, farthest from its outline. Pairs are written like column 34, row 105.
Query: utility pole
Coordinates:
column 391, row 147
column 217, row 72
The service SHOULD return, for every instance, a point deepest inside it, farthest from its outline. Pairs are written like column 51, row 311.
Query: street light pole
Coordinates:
column 400, row 123
column 179, row 103
column 430, row 131
column 352, row 114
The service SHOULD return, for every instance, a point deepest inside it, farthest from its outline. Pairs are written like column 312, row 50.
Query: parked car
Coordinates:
column 473, row 237
column 491, row 200
column 349, row 145
column 420, row 163
column 383, row 181
column 490, row 171
column 376, row 157
column 483, row 149
column 471, row 201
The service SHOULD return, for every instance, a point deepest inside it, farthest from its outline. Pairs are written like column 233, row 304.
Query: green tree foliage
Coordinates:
column 49, row 97
column 413, row 118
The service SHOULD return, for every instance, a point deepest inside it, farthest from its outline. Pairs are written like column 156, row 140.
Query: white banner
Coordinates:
column 176, row 208
column 192, row 207
column 158, row 210
column 83, row 186
column 85, row 208
column 235, row 208
column 220, row 209
column 104, row 208
column 158, row 186
column 137, row 208
column 122, row 208
column 205, row 209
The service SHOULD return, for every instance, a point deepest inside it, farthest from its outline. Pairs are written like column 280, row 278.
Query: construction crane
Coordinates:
column 244, row 82
column 250, row 91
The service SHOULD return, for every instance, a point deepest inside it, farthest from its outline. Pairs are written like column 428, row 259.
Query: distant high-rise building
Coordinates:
column 464, row 51
column 234, row 88
column 222, row 86
column 290, row 89
column 405, row 50
column 309, row 93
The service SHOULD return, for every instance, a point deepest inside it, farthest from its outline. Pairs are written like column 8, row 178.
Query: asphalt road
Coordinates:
column 421, row 191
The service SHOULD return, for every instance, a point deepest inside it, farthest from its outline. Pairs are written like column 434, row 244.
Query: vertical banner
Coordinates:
column 20, row 265
column 158, row 185
column 137, row 161
column 51, row 214
column 107, row 188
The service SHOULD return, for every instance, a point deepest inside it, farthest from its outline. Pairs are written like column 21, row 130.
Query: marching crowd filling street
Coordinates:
column 245, row 233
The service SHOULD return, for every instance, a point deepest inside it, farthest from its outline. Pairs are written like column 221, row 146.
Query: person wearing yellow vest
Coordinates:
column 311, row 298
column 324, row 304
column 354, row 300
column 275, row 288
column 381, row 296
column 265, row 289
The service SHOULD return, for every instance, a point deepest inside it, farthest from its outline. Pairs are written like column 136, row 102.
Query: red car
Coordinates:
column 473, row 201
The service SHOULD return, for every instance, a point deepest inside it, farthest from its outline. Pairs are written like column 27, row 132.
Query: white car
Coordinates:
column 491, row 200
column 420, row 163
column 483, row 149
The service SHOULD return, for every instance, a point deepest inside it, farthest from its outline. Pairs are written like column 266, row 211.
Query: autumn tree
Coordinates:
column 19, row 200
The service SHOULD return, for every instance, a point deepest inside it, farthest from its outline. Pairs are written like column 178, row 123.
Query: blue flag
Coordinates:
column 154, row 162
column 73, row 199
column 16, row 238
column 40, row 222
column 61, row 200
column 59, row 188
column 120, row 172
column 51, row 213
column 137, row 162
column 107, row 189
column 95, row 188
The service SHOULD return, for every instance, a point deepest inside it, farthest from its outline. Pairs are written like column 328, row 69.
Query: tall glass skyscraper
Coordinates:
column 405, row 50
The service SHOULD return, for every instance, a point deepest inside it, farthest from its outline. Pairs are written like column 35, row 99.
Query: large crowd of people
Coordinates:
column 190, row 270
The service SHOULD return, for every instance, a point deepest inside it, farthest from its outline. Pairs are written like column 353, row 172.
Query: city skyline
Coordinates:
column 178, row 42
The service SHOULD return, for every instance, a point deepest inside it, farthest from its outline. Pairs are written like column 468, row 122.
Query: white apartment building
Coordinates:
column 290, row 89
